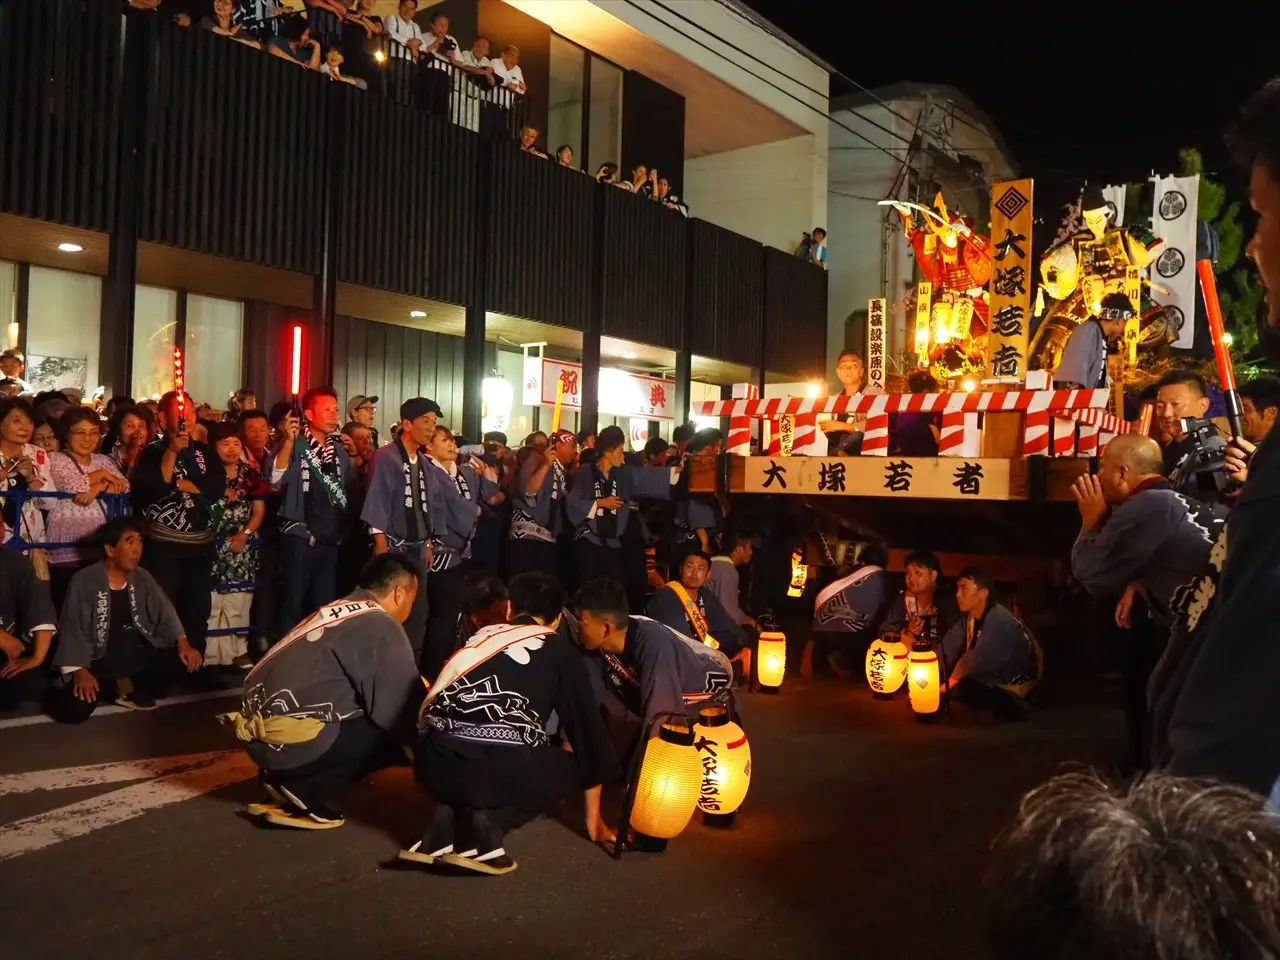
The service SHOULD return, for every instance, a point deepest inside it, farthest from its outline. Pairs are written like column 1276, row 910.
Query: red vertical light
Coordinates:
column 295, row 371
column 180, row 382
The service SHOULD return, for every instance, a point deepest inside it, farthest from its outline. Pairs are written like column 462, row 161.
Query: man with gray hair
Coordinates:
column 1166, row 868
column 1142, row 541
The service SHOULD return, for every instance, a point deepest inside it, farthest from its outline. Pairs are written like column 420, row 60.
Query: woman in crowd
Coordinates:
column 127, row 434
column 45, row 437
column 640, row 182
column 237, row 518
column 564, row 155
column 455, row 508
column 81, row 470
column 26, row 467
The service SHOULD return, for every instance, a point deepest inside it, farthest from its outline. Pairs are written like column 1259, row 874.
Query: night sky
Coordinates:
column 1096, row 91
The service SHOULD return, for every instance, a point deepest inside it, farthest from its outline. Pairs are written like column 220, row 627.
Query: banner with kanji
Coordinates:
column 1011, row 279
column 875, row 345
column 933, row 478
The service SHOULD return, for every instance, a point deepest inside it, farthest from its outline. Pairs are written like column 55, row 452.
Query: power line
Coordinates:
column 823, row 113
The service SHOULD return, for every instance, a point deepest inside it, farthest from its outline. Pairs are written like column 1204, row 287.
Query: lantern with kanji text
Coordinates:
column 725, row 755
column 886, row 665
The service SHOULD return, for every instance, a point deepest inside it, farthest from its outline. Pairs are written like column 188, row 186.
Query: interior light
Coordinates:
column 969, row 385
column 417, row 313
column 813, row 389
column 379, row 56
column 629, row 355
column 70, row 247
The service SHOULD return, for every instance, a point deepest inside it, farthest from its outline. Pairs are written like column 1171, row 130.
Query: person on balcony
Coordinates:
column 662, row 193
column 507, row 67
column 642, row 180
column 174, row 484
column 362, row 33
column 529, row 140
column 332, row 68
column 312, row 469
column 304, row 51
column 397, row 507
column 225, row 22
column 324, row 20
column 78, row 470
column 456, row 491
column 403, row 32
column 114, row 626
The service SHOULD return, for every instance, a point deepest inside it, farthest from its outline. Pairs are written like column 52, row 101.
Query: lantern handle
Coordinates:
column 633, row 776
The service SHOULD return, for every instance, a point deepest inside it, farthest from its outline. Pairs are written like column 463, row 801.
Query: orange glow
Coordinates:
column 295, row 371
column 179, row 382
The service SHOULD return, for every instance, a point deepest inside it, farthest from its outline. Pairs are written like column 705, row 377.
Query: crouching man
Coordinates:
column 326, row 706
column 485, row 752
column 116, row 629
column 650, row 667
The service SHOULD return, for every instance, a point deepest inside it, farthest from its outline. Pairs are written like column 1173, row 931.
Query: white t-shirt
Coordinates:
column 401, row 31
column 509, row 75
column 469, row 59
column 454, row 54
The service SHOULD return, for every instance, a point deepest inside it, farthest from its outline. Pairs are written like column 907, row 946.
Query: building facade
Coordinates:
column 162, row 185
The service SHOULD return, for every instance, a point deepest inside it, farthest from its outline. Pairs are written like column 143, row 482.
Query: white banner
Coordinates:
column 1173, row 219
column 621, row 393
column 1114, row 195
column 875, row 344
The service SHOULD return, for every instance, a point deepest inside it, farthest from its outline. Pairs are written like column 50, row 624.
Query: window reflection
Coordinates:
column 604, row 127
column 564, row 113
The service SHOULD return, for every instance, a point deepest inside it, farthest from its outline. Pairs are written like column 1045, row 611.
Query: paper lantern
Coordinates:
column 924, row 685
column 726, row 761
column 669, row 785
column 771, row 658
column 886, row 666
column 799, row 574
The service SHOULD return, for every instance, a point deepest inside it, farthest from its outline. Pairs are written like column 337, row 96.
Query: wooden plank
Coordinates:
column 933, row 478
column 1002, row 435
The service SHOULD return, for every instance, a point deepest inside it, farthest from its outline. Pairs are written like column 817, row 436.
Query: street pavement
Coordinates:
column 864, row 835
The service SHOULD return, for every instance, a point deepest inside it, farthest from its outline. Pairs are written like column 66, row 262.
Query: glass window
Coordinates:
column 65, row 316
column 604, row 122
column 564, row 110
column 155, row 319
column 215, row 331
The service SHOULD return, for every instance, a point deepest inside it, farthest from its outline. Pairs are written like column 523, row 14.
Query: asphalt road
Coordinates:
column 865, row 834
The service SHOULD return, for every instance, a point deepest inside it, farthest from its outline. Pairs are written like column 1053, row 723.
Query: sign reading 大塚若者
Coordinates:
column 622, row 393
column 1009, row 308
column 930, row 478
column 875, row 345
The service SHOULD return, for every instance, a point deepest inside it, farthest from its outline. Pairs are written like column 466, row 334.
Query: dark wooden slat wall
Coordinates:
column 59, row 109
column 230, row 137
column 396, row 363
column 795, row 313
column 406, row 210
column 540, row 252
column 727, row 294
column 645, row 248
column 268, row 338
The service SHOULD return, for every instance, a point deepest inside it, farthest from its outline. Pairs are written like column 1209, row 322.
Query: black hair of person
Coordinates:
column 536, row 595
column 610, row 438
column 1184, row 378
column 255, row 414
column 605, row 599
column 381, row 574
column 315, row 393
column 112, row 532
column 278, row 412
column 654, row 446
column 1263, row 391
column 483, row 591
column 924, row 558
column 981, row 577
column 873, row 555
column 1254, row 138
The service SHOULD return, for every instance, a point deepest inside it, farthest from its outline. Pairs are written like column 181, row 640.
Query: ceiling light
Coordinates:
column 70, row 247
column 417, row 313
column 814, row 389
column 629, row 355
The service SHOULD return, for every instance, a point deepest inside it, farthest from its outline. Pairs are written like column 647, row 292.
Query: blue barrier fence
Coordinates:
column 114, row 505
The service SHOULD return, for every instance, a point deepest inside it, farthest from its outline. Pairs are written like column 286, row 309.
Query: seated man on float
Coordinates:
column 329, row 704
column 847, row 613
column 920, row 612
column 992, row 662
column 651, row 668
column 116, row 632
column 485, row 751
column 689, row 606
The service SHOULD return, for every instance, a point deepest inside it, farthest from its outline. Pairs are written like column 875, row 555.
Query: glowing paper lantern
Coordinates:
column 886, row 666
column 669, row 785
column 924, row 685
column 496, row 397
column 799, row 574
column 771, row 658
column 726, row 761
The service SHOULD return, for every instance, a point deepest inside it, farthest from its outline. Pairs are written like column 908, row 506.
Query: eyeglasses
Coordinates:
column 368, row 406
column 84, row 433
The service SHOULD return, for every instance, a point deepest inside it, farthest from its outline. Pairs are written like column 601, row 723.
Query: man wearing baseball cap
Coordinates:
column 364, row 411
column 397, row 505
column 537, row 505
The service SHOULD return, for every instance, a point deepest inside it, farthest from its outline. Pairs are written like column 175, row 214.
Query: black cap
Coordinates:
column 419, row 407
column 1092, row 198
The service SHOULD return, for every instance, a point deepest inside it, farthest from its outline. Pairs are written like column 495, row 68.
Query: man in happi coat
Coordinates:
column 537, row 503
column 689, row 606
column 486, row 750
column 332, row 702
column 847, row 612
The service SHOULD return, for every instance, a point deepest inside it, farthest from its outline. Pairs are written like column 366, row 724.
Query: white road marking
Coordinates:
column 181, row 778
column 112, row 708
